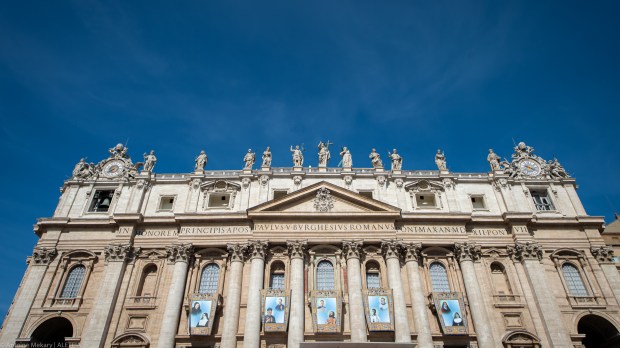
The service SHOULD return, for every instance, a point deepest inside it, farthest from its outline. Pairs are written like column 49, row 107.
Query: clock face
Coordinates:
column 529, row 167
column 113, row 169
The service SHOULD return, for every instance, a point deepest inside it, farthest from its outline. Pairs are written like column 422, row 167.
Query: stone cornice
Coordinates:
column 603, row 254
column 236, row 252
column 391, row 248
column 119, row 252
column 296, row 248
column 525, row 251
column 179, row 252
column 467, row 251
column 257, row 249
column 352, row 249
column 42, row 256
column 412, row 251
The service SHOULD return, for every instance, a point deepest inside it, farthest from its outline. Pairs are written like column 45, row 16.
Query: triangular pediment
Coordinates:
column 326, row 199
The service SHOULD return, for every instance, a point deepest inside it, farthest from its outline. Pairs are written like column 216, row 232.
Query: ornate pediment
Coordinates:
column 323, row 199
column 426, row 186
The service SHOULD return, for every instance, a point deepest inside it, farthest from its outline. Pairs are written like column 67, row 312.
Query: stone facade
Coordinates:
column 507, row 258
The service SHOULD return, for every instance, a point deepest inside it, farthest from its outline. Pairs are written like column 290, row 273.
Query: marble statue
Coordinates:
column 440, row 160
column 347, row 160
column 397, row 160
column 494, row 160
column 149, row 161
column 324, row 154
column 375, row 159
column 522, row 151
column 267, row 157
column 249, row 159
column 118, row 151
column 83, row 170
column 298, row 156
column 556, row 170
column 201, row 161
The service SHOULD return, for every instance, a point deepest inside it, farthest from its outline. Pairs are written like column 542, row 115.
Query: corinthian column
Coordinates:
column 236, row 257
column 418, row 301
column 296, row 251
column 98, row 321
column 530, row 254
column 180, row 255
column 352, row 251
column 41, row 257
column 391, row 252
column 605, row 256
column 251, row 337
column 466, row 253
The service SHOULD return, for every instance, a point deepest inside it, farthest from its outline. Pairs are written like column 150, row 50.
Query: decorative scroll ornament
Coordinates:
column 391, row 248
column 43, row 256
column 348, row 180
column 296, row 248
column 236, row 252
column 179, row 252
column 297, row 180
column 603, row 254
column 324, row 201
column 245, row 182
column 257, row 249
column 263, row 180
column 525, row 251
column 352, row 248
column 467, row 251
column 117, row 252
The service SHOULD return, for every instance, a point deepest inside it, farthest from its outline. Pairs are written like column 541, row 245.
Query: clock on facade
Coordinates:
column 113, row 169
column 529, row 167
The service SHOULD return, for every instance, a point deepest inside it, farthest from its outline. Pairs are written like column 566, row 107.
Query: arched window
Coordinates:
column 276, row 277
column 73, row 282
column 439, row 277
column 209, row 279
column 373, row 276
column 500, row 279
column 148, row 281
column 325, row 276
column 573, row 280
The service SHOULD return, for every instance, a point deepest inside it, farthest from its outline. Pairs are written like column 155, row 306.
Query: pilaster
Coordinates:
column 352, row 252
column 297, row 253
column 256, row 253
column 232, row 299
column 391, row 252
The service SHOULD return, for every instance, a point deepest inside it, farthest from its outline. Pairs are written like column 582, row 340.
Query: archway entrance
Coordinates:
column 599, row 332
column 52, row 333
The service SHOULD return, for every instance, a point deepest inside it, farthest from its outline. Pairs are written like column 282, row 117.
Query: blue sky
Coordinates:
column 224, row 76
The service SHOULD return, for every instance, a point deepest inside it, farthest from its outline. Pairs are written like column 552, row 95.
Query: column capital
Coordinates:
column 257, row 249
column 525, row 251
column 42, row 256
column 352, row 249
column 603, row 254
column 179, row 252
column 236, row 252
column 412, row 251
column 296, row 248
column 467, row 251
column 391, row 248
column 116, row 252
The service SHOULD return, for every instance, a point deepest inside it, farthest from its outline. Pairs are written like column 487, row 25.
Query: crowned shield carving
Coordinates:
column 324, row 201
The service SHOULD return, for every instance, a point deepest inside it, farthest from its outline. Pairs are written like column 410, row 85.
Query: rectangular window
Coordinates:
column 425, row 201
column 279, row 193
column 477, row 202
column 219, row 200
column 277, row 281
column 101, row 201
column 542, row 201
column 166, row 203
column 373, row 280
column 367, row 194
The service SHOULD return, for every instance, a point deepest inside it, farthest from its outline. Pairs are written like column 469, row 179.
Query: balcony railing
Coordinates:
column 586, row 301
column 141, row 301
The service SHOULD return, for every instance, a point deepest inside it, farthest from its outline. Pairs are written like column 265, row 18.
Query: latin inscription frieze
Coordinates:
column 434, row 229
column 489, row 232
column 326, row 227
column 206, row 230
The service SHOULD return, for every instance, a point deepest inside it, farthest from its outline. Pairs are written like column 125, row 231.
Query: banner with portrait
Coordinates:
column 275, row 307
column 379, row 309
column 326, row 310
column 201, row 313
column 449, row 308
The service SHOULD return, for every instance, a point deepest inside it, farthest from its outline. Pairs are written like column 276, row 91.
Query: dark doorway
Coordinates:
column 599, row 332
column 52, row 332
